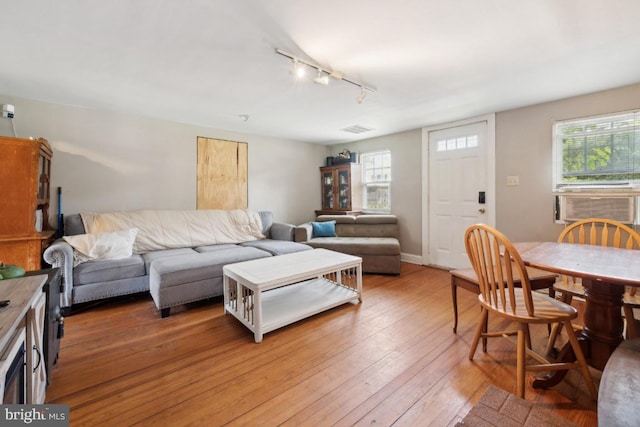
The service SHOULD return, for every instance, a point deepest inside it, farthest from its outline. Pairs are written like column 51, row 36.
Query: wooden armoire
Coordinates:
column 25, row 169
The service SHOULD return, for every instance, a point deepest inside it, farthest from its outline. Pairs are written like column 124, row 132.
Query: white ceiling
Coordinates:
column 208, row 62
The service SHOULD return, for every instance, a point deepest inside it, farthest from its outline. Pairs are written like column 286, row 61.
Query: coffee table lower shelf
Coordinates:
column 266, row 311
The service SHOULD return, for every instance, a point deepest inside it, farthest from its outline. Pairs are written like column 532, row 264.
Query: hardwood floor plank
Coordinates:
column 376, row 376
column 384, row 360
column 339, row 365
column 392, row 360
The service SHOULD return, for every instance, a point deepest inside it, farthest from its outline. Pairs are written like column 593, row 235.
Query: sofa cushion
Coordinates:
column 358, row 245
column 105, row 271
column 339, row 219
column 277, row 247
column 212, row 248
column 367, row 230
column 181, row 269
column 324, row 229
column 149, row 257
column 376, row 219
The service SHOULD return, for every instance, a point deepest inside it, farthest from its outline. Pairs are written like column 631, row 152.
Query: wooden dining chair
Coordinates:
column 602, row 232
column 466, row 278
column 500, row 296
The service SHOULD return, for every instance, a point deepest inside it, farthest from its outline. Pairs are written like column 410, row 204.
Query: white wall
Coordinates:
column 406, row 184
column 111, row 161
column 107, row 161
column 524, row 148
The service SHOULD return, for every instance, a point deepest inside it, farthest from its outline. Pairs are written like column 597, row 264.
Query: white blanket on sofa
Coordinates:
column 179, row 229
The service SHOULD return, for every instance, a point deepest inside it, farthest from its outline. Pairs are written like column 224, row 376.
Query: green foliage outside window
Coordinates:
column 604, row 150
column 376, row 168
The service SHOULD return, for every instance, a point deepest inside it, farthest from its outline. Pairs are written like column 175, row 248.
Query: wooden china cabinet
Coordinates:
column 25, row 170
column 341, row 189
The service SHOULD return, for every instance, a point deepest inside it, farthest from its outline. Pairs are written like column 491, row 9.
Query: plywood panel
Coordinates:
column 222, row 174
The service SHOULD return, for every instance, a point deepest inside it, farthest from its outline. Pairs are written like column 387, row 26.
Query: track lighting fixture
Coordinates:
column 298, row 70
column 362, row 95
column 321, row 78
column 324, row 74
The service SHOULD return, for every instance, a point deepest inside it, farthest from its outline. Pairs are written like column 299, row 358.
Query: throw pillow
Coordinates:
column 102, row 246
column 324, row 229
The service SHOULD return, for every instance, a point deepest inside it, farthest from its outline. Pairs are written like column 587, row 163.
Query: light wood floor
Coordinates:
column 392, row 360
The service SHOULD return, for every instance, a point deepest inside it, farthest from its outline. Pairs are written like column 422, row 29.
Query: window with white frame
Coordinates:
column 376, row 179
column 603, row 151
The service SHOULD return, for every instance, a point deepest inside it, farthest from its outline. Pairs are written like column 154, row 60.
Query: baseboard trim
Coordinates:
column 410, row 258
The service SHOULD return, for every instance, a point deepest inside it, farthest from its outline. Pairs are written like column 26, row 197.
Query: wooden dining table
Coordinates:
column 604, row 271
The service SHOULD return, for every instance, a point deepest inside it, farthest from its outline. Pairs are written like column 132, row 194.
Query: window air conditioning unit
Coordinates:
column 574, row 207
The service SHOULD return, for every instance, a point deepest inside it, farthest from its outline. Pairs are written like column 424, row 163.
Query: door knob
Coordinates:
column 481, row 210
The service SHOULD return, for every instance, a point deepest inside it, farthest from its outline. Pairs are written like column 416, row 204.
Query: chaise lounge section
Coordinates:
column 374, row 238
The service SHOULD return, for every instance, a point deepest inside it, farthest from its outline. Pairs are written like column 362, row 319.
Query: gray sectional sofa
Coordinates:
column 173, row 276
column 374, row 238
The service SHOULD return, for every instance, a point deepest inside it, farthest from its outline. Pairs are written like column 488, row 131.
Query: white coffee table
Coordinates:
column 269, row 293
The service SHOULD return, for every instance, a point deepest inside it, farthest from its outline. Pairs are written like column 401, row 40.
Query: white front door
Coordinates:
column 460, row 189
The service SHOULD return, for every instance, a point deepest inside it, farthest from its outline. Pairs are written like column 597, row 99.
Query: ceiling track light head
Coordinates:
column 298, row 70
column 321, row 78
column 361, row 96
column 324, row 73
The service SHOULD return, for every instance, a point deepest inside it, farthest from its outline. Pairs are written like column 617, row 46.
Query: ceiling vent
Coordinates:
column 357, row 129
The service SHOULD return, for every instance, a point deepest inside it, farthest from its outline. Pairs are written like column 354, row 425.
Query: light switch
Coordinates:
column 513, row 180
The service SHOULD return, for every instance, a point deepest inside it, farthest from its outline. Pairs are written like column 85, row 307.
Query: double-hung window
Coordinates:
column 376, row 173
column 597, row 151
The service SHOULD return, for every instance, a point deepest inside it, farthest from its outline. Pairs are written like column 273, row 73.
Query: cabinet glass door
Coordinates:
column 343, row 189
column 327, row 190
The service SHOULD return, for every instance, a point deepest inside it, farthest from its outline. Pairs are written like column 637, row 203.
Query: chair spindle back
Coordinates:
column 495, row 260
column 602, row 232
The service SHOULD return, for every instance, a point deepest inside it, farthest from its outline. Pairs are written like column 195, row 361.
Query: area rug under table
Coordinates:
column 497, row 407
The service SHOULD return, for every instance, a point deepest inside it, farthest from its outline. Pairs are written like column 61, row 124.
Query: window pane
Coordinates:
column 601, row 150
column 376, row 180
column 461, row 143
column 377, row 196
